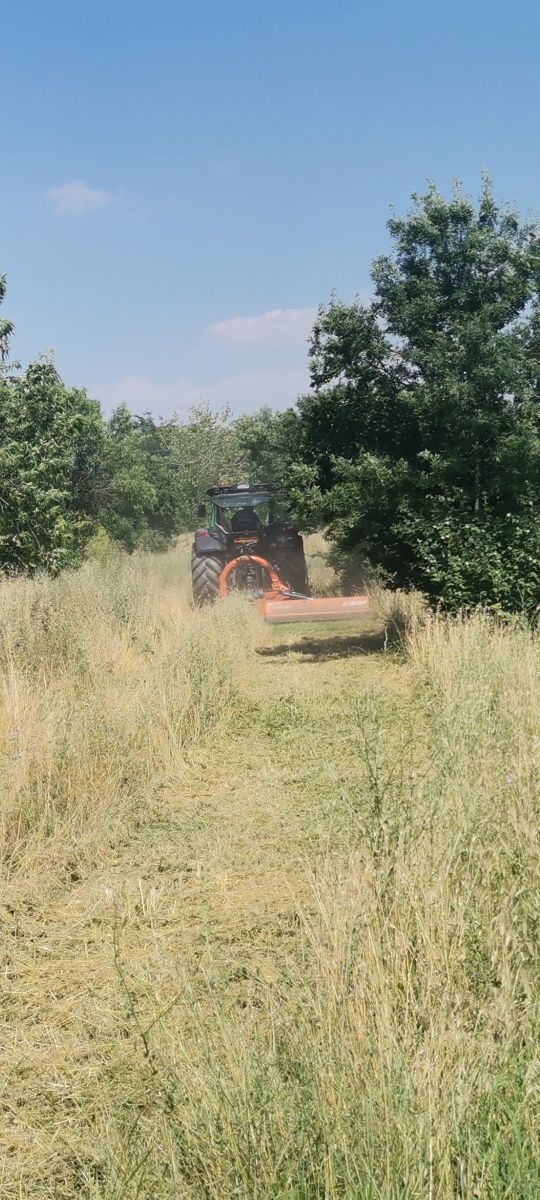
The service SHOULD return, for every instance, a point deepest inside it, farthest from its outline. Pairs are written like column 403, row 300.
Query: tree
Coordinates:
column 421, row 436
column 159, row 471
column 6, row 327
column 51, row 477
column 132, row 497
column 204, row 449
column 268, row 445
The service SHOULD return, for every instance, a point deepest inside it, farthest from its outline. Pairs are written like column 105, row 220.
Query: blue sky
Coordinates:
column 182, row 184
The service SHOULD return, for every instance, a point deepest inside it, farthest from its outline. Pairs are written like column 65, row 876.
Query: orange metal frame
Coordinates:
column 279, row 605
column 277, row 591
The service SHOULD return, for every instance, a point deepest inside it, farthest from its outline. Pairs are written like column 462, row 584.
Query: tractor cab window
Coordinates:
column 239, row 513
column 245, row 520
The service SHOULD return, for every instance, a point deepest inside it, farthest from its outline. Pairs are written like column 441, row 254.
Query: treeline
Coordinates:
column 417, row 446
column 71, row 479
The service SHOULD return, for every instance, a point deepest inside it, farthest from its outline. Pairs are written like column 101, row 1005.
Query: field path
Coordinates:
column 260, row 933
column 202, row 878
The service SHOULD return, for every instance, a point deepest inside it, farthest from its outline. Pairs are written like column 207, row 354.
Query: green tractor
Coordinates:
column 246, row 523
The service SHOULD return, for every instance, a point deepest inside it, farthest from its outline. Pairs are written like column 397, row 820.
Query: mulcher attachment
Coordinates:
column 279, row 605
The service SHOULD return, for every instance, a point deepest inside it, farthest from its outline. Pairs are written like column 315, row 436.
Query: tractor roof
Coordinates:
column 241, row 489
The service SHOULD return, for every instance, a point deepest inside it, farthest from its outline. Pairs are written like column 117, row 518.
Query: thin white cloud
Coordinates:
column 241, row 393
column 77, row 198
column 280, row 327
column 142, row 394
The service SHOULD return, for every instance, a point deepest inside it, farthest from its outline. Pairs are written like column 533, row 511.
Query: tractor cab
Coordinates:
column 244, row 509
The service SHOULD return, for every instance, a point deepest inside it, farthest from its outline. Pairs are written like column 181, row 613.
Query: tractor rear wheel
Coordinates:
column 205, row 572
column 292, row 568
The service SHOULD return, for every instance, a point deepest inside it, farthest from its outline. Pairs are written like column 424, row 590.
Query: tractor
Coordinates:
column 246, row 521
column 250, row 546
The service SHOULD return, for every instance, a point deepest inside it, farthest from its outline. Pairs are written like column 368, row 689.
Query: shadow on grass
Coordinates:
column 321, row 649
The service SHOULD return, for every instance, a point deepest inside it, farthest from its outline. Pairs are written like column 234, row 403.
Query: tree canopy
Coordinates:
column 6, row 327
column 421, row 436
column 51, row 469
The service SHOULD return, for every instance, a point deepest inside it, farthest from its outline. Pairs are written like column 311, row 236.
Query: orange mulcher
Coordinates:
column 279, row 605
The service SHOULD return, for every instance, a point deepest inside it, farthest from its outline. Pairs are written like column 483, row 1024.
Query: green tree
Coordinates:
column 6, row 327
column 131, row 498
column 205, row 449
column 268, row 443
column 159, row 470
column 421, row 437
column 51, row 469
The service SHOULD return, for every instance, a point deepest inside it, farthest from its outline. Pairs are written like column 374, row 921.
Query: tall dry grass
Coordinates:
column 106, row 681
column 271, row 919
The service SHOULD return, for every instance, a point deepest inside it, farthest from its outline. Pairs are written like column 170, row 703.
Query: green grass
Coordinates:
column 270, row 899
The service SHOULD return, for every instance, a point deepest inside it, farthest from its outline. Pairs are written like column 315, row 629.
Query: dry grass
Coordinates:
column 323, row 578
column 270, row 901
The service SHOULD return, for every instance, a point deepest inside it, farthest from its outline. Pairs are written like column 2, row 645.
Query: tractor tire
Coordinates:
column 292, row 568
column 205, row 572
